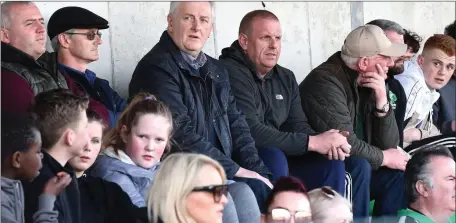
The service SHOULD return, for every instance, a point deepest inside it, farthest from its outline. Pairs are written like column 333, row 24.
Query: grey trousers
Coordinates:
column 242, row 206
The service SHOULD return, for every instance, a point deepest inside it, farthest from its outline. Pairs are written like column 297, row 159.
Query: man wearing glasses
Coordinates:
column 76, row 42
column 27, row 69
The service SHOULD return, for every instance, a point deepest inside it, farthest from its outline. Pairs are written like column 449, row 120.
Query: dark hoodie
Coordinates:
column 272, row 105
column 104, row 201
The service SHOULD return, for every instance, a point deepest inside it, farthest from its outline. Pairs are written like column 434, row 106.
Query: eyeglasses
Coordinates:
column 90, row 35
column 284, row 215
column 331, row 194
column 216, row 190
column 328, row 192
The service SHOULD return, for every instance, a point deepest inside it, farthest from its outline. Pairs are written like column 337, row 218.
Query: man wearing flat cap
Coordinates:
column 354, row 100
column 75, row 36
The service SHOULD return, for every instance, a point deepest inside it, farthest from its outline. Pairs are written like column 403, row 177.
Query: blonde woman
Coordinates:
column 188, row 188
column 328, row 206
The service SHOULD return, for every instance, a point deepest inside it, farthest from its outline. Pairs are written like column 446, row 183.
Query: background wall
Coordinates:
column 312, row 31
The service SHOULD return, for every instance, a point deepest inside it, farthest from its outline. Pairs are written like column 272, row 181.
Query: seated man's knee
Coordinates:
column 336, row 166
column 229, row 212
column 241, row 192
column 275, row 160
column 360, row 165
column 245, row 202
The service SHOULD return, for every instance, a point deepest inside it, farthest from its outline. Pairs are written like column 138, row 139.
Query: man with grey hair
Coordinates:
column 354, row 100
column 196, row 88
column 27, row 69
column 430, row 187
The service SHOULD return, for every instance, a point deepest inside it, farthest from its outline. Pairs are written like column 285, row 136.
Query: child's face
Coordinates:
column 30, row 161
column 147, row 140
column 91, row 149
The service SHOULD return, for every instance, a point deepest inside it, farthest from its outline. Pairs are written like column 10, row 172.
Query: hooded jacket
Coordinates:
column 105, row 202
column 67, row 203
column 120, row 169
column 272, row 105
column 13, row 204
column 420, row 99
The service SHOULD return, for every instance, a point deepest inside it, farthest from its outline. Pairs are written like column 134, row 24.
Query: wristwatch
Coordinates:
column 384, row 109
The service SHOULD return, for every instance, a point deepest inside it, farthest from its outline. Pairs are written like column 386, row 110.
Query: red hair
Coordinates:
column 442, row 42
column 286, row 184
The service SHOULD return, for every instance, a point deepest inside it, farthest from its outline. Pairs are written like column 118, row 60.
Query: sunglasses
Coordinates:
column 90, row 35
column 216, row 190
column 284, row 215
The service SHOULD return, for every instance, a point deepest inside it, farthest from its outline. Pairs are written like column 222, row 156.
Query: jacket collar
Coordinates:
column 195, row 63
column 235, row 52
column 352, row 75
column 176, row 54
column 47, row 61
column 122, row 156
column 55, row 166
column 14, row 55
column 88, row 75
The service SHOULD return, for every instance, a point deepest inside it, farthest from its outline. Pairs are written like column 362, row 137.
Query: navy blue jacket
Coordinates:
column 198, row 100
column 445, row 107
column 99, row 90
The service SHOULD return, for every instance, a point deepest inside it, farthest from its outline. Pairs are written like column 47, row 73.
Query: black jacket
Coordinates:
column 398, row 105
column 164, row 72
column 331, row 98
column 272, row 105
column 67, row 202
column 104, row 201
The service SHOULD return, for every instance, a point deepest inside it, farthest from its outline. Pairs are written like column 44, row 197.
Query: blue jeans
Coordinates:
column 385, row 186
column 260, row 189
column 316, row 171
column 276, row 161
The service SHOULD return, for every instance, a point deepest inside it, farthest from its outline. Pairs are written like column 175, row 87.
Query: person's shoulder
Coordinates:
column 158, row 56
column 285, row 72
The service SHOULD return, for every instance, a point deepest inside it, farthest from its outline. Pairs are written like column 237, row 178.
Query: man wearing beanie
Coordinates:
column 27, row 69
column 75, row 36
column 354, row 100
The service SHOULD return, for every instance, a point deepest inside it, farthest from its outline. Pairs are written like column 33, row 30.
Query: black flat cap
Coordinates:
column 73, row 17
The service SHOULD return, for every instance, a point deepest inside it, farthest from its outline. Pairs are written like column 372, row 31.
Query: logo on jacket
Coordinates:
column 392, row 99
column 279, row 97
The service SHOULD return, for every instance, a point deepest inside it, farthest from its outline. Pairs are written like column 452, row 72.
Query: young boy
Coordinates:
column 21, row 160
column 421, row 80
column 61, row 118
